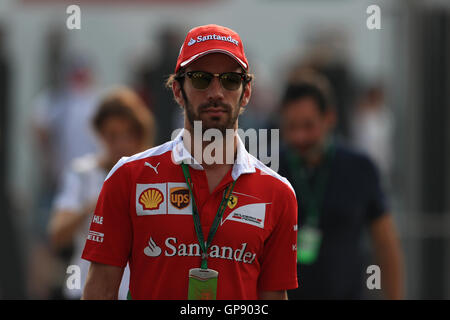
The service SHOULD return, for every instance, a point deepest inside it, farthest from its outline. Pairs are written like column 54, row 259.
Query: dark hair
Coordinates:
column 309, row 85
column 125, row 103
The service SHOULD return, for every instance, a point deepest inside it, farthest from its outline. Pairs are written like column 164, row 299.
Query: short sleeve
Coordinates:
column 69, row 195
column 110, row 234
column 377, row 202
column 279, row 259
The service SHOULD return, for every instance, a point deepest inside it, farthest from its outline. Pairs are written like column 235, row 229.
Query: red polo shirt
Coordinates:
column 144, row 217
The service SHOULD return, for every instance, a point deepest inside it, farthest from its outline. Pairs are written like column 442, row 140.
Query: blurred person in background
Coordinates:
column 46, row 106
column 149, row 79
column 327, row 54
column 372, row 128
column 258, row 114
column 340, row 197
column 62, row 115
column 61, row 131
column 12, row 284
column 124, row 126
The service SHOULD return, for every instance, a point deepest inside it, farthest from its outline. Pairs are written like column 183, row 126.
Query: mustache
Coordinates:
column 309, row 148
column 226, row 107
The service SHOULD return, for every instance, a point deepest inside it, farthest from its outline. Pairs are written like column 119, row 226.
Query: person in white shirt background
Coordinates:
column 373, row 129
column 124, row 126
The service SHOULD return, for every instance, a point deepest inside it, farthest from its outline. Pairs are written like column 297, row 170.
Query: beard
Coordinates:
column 226, row 120
column 311, row 150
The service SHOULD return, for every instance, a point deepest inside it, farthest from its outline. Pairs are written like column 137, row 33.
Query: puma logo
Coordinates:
column 154, row 168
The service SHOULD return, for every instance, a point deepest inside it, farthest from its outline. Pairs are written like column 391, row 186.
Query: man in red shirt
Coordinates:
column 190, row 227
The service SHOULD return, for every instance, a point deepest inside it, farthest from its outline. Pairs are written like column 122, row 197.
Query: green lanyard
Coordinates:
column 314, row 196
column 198, row 230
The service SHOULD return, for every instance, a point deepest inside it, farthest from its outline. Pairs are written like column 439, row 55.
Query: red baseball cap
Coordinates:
column 211, row 38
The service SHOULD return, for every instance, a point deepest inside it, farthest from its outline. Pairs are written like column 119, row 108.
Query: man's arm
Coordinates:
column 102, row 282
column 389, row 256
column 273, row 295
column 65, row 223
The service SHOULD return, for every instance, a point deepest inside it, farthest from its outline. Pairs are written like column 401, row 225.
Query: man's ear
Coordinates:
column 177, row 94
column 247, row 94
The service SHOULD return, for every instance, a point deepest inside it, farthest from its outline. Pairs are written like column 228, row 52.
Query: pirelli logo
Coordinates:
column 180, row 197
column 95, row 236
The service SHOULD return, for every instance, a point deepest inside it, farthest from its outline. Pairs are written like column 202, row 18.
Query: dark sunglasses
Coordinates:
column 229, row 80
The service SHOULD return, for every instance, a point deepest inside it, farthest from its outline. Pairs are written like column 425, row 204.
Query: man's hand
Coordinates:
column 389, row 256
column 65, row 223
column 273, row 295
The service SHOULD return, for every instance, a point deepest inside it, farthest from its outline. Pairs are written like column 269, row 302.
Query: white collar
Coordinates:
column 243, row 164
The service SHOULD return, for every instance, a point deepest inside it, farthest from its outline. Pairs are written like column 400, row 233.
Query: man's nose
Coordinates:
column 215, row 90
column 301, row 136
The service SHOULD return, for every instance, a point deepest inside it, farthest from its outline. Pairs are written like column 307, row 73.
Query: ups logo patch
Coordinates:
column 180, row 197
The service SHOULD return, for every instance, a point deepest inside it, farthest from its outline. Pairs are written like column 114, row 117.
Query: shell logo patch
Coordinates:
column 163, row 198
column 151, row 199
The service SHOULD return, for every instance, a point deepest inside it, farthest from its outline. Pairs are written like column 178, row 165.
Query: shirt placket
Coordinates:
column 207, row 203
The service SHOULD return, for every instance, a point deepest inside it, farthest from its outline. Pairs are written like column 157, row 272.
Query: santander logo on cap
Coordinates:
column 191, row 42
column 211, row 38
